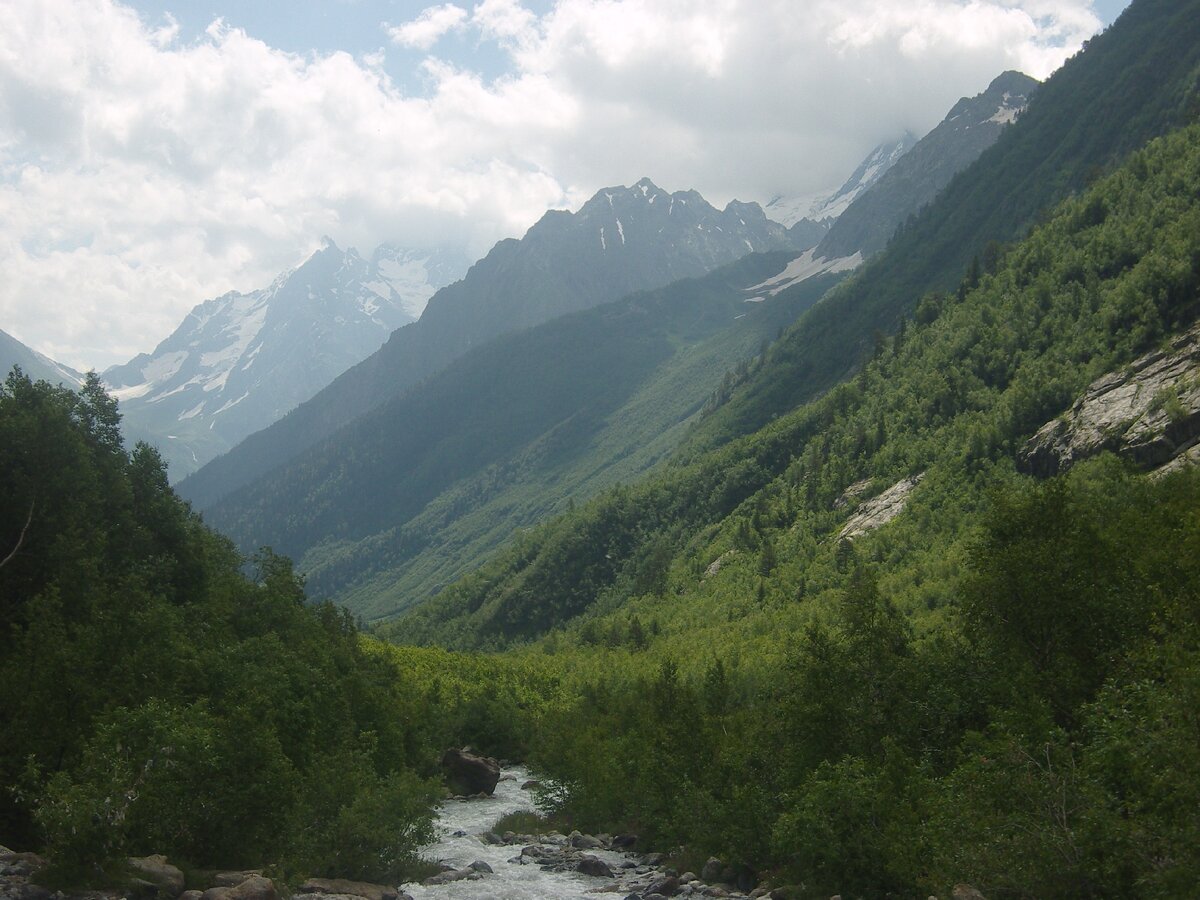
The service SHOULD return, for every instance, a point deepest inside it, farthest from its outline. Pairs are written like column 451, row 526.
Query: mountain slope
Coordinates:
column 945, row 405
column 240, row 361
column 1023, row 650
column 1136, row 80
column 826, row 207
column 414, row 492
column 971, row 126
column 37, row 366
column 622, row 240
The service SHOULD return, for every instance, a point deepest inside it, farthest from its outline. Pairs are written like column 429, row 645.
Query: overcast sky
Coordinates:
column 156, row 154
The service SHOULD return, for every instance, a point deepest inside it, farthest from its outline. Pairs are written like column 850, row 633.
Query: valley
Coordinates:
column 844, row 546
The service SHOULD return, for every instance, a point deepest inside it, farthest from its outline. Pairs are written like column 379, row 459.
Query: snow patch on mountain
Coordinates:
column 250, row 358
column 806, row 265
column 826, row 206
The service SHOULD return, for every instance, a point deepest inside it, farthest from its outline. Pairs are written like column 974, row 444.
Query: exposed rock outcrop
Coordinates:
column 1148, row 413
column 879, row 510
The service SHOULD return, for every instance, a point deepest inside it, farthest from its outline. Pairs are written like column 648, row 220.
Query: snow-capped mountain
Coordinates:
column 240, row 361
column 622, row 240
column 37, row 366
column 971, row 126
column 900, row 185
column 826, row 206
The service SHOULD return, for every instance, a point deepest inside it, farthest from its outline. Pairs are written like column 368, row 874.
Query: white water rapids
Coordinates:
column 510, row 881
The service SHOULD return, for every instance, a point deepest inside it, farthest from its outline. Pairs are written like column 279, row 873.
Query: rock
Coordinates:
column 255, row 887
column 351, row 888
column 232, row 879
column 852, row 493
column 966, row 892
column 715, row 566
column 591, row 865
column 530, row 785
column 585, row 841
column 654, row 859
column 879, row 510
column 467, row 773
column 452, row 876
column 666, row 886
column 711, row 871
column 624, row 841
column 688, row 878
column 480, row 866
column 22, row 865
column 490, row 837
column 191, row 895
column 158, row 872
column 509, row 777
column 1148, row 413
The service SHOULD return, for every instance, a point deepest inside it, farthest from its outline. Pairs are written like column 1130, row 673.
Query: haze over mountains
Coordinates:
column 445, row 472
column 240, row 361
column 623, row 239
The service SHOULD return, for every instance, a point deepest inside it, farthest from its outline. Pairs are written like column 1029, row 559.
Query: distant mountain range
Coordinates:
column 240, row 361
column 622, row 240
column 422, row 487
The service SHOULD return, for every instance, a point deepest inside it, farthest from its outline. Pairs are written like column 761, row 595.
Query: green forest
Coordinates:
column 996, row 684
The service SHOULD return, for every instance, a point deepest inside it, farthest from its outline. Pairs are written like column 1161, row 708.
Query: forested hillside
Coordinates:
column 157, row 700
column 763, row 675
column 425, row 487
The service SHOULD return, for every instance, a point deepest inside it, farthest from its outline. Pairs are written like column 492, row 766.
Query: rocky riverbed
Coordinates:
column 480, row 863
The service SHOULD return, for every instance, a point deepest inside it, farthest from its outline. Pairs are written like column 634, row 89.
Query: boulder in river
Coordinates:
column 467, row 773
column 591, row 865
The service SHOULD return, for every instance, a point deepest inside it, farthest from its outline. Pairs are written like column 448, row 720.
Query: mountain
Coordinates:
column 1133, row 83
column 971, row 126
column 907, row 625
column 826, row 206
column 889, row 190
column 37, row 366
column 622, row 240
column 240, row 361
column 422, row 488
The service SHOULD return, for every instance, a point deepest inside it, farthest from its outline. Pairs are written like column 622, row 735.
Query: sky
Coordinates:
column 157, row 153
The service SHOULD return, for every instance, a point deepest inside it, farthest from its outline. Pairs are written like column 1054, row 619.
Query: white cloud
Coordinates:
column 429, row 27
column 140, row 174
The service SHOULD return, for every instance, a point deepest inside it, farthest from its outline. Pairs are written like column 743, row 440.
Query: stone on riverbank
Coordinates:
column 156, row 871
column 352, row 888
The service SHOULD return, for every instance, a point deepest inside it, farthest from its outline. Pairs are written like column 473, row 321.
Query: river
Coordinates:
column 510, row 880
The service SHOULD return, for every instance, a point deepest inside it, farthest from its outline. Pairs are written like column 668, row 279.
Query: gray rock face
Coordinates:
column 1148, row 413
column 881, row 509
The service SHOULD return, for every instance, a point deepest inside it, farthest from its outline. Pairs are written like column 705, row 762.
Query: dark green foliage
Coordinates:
column 156, row 700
